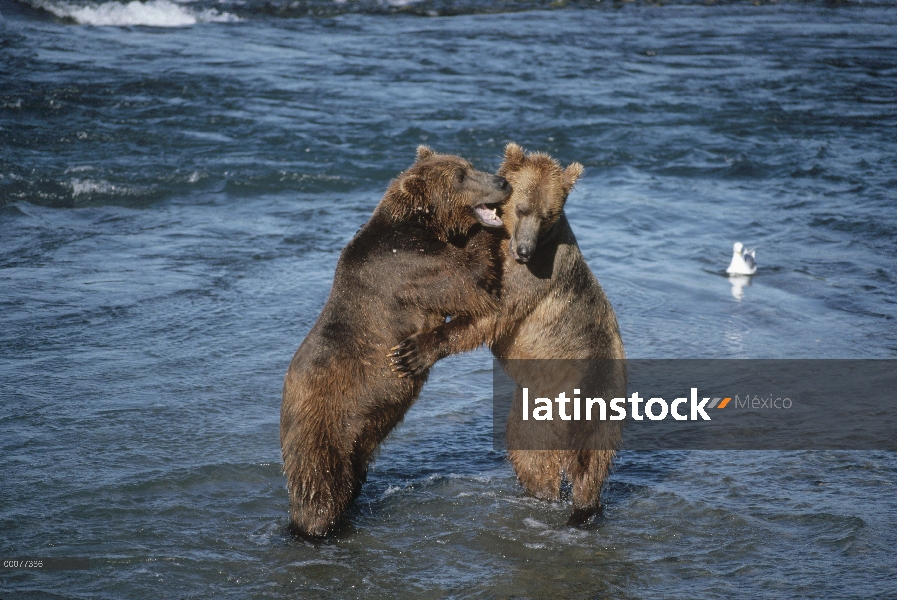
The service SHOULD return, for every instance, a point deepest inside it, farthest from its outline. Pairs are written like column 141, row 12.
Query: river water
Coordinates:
column 177, row 180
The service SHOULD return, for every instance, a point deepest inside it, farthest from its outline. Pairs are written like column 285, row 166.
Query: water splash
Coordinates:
column 155, row 13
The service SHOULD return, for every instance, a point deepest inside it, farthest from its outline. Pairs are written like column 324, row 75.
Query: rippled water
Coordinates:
column 173, row 200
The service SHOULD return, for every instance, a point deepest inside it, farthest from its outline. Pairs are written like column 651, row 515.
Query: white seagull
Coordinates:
column 743, row 262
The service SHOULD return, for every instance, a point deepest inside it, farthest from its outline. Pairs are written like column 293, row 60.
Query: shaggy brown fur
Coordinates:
column 423, row 255
column 552, row 307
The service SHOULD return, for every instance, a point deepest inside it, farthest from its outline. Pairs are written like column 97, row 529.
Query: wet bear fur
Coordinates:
column 423, row 255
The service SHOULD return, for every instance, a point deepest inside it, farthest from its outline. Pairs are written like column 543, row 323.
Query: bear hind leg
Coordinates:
column 587, row 471
column 539, row 472
column 320, row 493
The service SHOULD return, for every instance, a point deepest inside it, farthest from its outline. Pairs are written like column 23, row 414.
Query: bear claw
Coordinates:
column 406, row 359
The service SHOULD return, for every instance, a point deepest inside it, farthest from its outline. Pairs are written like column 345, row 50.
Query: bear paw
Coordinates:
column 582, row 515
column 407, row 358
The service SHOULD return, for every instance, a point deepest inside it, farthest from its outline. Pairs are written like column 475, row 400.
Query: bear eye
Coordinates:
column 461, row 176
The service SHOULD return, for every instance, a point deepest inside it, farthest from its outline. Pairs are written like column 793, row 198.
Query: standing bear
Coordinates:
column 422, row 256
column 552, row 307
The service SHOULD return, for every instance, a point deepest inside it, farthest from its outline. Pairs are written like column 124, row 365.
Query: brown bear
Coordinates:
column 552, row 307
column 422, row 256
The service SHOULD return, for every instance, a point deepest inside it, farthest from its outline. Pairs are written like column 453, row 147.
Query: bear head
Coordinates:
column 540, row 189
column 445, row 194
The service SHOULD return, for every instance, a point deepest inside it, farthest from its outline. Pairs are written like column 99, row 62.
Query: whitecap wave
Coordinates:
column 390, row 491
column 153, row 13
column 78, row 169
column 84, row 187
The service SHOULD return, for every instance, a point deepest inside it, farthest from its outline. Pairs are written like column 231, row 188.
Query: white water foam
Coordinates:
column 154, row 13
column 78, row 169
column 83, row 187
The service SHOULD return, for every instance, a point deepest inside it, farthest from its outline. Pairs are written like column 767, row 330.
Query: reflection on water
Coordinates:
column 739, row 282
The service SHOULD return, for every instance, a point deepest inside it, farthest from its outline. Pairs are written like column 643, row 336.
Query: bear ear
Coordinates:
column 424, row 152
column 514, row 158
column 571, row 174
column 414, row 186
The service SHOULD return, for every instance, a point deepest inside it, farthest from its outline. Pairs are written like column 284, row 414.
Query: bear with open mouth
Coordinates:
column 428, row 251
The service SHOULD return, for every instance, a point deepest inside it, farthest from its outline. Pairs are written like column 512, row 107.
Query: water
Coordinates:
column 174, row 193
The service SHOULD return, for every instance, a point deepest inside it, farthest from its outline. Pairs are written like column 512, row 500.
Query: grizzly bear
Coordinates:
column 421, row 257
column 552, row 307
